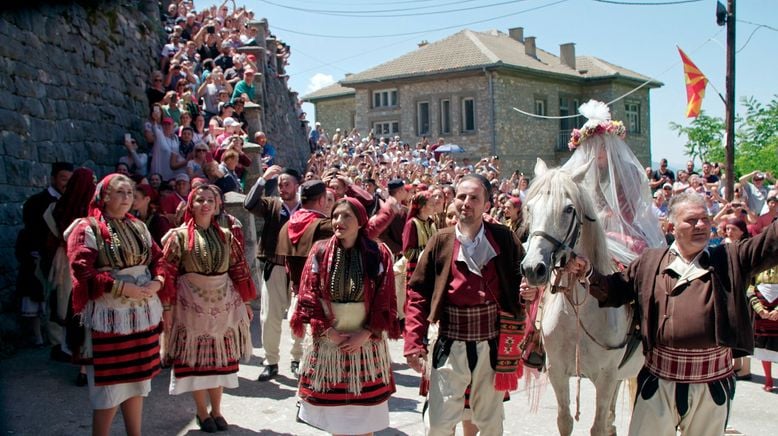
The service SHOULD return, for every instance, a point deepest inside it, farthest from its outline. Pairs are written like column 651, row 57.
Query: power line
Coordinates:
column 667, row 3
column 758, row 26
column 318, row 35
column 774, row 29
column 361, row 2
column 330, row 11
column 413, row 14
column 628, row 93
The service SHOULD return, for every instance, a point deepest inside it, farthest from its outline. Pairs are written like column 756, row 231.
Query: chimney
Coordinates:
column 349, row 74
column 529, row 46
column 567, row 54
column 422, row 43
column 517, row 33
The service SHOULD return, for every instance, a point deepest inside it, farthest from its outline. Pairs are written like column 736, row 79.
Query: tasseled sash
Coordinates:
column 333, row 366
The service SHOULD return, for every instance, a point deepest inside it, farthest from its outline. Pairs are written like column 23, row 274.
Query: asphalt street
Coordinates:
column 38, row 397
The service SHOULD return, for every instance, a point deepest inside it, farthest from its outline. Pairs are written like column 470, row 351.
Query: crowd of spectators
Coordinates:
column 196, row 125
column 754, row 202
column 372, row 161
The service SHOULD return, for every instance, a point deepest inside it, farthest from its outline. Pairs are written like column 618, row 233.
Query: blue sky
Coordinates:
column 641, row 38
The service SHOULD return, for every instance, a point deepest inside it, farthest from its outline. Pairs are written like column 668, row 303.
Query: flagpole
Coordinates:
column 730, row 103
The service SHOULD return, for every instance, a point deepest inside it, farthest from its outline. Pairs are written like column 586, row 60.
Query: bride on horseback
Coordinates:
column 616, row 182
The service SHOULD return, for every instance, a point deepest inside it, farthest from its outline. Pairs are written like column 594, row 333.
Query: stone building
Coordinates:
column 463, row 88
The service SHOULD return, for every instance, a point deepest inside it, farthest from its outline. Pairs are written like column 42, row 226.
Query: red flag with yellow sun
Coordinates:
column 695, row 85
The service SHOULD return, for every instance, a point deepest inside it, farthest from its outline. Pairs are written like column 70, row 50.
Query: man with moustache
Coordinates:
column 275, row 292
column 694, row 317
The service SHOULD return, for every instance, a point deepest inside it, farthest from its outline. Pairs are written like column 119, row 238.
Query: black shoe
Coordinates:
column 58, row 355
column 268, row 373
column 81, row 379
column 207, row 425
column 221, row 423
column 295, row 367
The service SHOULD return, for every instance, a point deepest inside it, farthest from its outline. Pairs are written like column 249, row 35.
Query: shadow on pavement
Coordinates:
column 399, row 404
column 280, row 388
column 411, row 381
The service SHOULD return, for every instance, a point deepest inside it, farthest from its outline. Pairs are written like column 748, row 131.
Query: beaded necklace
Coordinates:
column 127, row 245
column 209, row 250
column 346, row 279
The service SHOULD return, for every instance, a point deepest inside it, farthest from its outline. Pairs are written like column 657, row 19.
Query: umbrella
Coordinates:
column 449, row 148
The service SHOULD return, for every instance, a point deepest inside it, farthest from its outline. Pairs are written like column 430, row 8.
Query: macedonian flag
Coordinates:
column 695, row 85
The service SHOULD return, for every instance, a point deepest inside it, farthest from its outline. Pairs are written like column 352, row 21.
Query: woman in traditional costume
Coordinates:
column 764, row 300
column 418, row 229
column 117, row 271
column 145, row 207
column 514, row 217
column 59, row 216
column 347, row 297
column 209, row 311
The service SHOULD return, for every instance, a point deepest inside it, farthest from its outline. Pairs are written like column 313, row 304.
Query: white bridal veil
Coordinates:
column 616, row 182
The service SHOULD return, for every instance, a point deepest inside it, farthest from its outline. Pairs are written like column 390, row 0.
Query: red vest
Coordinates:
column 468, row 289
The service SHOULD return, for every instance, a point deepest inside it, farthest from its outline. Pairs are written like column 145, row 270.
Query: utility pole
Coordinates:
column 730, row 112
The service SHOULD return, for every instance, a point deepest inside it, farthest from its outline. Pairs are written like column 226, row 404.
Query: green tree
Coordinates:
column 705, row 138
column 756, row 137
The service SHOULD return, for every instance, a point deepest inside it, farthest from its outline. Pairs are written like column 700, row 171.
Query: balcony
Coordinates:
column 562, row 139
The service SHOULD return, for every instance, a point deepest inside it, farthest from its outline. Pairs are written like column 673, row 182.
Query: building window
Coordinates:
column 632, row 109
column 445, row 117
column 423, row 118
column 385, row 98
column 540, row 106
column 468, row 115
column 386, row 127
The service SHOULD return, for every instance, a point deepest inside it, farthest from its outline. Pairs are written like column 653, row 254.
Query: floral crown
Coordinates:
column 599, row 123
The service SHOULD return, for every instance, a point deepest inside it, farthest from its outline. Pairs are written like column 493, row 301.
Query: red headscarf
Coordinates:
column 97, row 206
column 359, row 210
column 189, row 213
column 371, row 257
column 418, row 201
column 515, row 201
column 148, row 191
column 74, row 202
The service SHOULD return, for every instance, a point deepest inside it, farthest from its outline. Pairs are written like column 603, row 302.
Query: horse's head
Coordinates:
column 559, row 212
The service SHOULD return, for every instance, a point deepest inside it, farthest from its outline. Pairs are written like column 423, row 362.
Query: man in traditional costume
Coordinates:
column 694, row 318
column 468, row 280
column 30, row 252
column 275, row 294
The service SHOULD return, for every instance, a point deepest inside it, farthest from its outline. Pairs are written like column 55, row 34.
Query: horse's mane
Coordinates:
column 555, row 185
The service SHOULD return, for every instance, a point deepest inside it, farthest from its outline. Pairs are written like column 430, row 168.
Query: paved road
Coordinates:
column 37, row 397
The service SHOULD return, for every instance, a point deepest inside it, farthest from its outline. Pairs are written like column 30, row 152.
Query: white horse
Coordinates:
column 580, row 337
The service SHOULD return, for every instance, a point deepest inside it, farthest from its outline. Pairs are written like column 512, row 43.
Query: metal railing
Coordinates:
column 562, row 139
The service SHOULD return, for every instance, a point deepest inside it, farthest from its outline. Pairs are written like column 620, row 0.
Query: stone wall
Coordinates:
column 336, row 113
column 72, row 82
column 282, row 125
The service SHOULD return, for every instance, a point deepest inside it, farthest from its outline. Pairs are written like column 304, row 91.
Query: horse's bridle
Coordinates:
column 563, row 248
